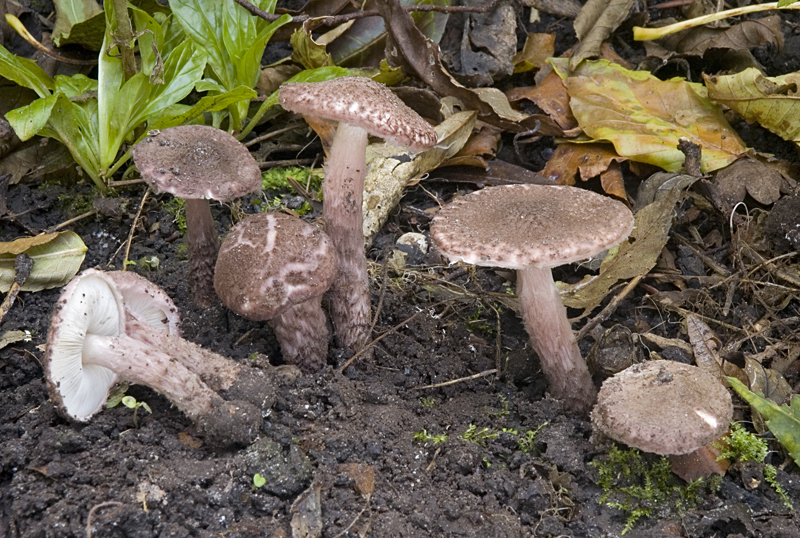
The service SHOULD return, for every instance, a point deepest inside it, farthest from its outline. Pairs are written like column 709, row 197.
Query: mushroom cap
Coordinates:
column 89, row 304
column 197, row 162
column 663, row 407
column 146, row 301
column 519, row 226
column 364, row 103
column 271, row 261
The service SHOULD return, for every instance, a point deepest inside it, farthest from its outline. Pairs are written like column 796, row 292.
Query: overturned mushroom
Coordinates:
column 198, row 163
column 533, row 228
column 88, row 351
column 153, row 318
column 362, row 107
column 276, row 267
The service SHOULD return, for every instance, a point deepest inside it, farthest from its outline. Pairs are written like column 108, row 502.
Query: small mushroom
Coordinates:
column 88, row 351
column 153, row 318
column 664, row 407
column 533, row 228
column 276, row 267
column 198, row 163
column 362, row 107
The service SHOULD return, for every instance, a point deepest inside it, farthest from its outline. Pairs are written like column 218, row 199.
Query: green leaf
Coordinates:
column 783, row 421
column 79, row 22
column 56, row 259
column 644, row 117
column 75, row 126
column 209, row 103
column 25, row 73
column 29, row 120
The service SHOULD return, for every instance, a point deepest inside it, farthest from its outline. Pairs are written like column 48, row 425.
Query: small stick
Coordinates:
column 133, row 230
column 17, row 25
column 459, row 380
column 23, row 265
column 96, row 508
column 609, row 309
column 70, row 221
column 289, row 162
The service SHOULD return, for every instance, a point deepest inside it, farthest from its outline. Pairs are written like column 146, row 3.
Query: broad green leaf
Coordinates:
column 783, row 421
column 79, row 22
column 76, row 86
column 644, row 117
column 773, row 102
column 75, row 126
column 56, row 259
column 209, row 103
column 27, row 121
column 25, row 72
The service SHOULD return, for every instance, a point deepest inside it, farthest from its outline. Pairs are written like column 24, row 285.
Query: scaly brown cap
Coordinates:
column 518, row 226
column 197, row 162
column 270, row 261
column 663, row 407
column 364, row 103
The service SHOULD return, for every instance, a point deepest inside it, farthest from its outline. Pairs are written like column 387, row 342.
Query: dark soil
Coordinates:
column 347, row 437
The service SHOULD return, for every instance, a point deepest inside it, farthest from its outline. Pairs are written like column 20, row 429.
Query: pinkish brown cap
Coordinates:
column 519, row 226
column 361, row 102
column 271, row 261
column 197, row 162
column 663, row 407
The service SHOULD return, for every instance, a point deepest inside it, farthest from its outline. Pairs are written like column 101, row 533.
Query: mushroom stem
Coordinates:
column 343, row 193
column 303, row 336
column 203, row 247
column 141, row 364
column 551, row 335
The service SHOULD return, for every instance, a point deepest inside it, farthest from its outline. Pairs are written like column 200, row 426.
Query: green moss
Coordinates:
column 424, row 437
column 73, row 205
column 429, row 403
column 638, row 487
column 276, row 184
column 177, row 208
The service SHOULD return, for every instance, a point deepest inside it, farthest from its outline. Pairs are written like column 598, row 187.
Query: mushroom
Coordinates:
column 663, row 407
column 153, row 318
column 198, row 163
column 276, row 267
column 362, row 107
column 88, row 351
column 533, row 228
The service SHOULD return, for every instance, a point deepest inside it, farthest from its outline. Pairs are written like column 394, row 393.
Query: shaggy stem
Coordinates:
column 343, row 193
column 648, row 34
column 551, row 336
column 303, row 336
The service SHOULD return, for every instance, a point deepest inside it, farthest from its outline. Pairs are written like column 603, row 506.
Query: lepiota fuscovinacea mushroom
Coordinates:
column 88, row 351
column 276, row 267
column 362, row 107
column 533, row 228
column 663, row 407
column 198, row 163
column 153, row 318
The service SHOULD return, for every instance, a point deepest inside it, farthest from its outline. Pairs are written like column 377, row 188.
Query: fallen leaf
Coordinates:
column 645, row 117
column 551, row 96
column 488, row 45
column 705, row 346
column 762, row 182
column 79, row 22
column 743, row 36
column 612, row 181
column 306, row 513
column 534, row 54
column 362, row 475
column 482, row 143
column 11, row 337
column 595, row 22
column 57, row 258
column 783, row 421
column 588, row 160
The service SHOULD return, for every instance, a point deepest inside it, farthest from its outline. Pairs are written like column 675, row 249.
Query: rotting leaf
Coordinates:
column 595, row 22
column 773, row 102
column 534, row 54
column 57, row 258
column 650, row 233
column 362, row 475
column 79, row 22
column 706, row 346
column 488, row 45
column 743, row 36
column 306, row 513
column 766, row 381
column 761, row 181
column 389, row 174
column 587, row 160
column 307, row 52
column 783, row 421
column 645, row 117
column 12, row 337
column 551, row 96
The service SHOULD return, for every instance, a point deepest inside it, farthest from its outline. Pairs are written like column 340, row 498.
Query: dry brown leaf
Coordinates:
column 706, row 346
column 594, row 24
column 482, row 143
column 743, row 36
column 551, row 96
column 534, row 54
column 762, row 182
column 588, row 160
column 362, row 475
column 612, row 182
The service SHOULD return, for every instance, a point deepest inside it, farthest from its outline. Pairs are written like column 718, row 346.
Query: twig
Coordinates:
column 459, row 380
column 387, row 333
column 270, row 134
column 609, row 309
column 23, row 265
column 17, row 25
column 96, row 508
column 133, row 230
column 70, row 221
column 334, row 20
column 288, row 162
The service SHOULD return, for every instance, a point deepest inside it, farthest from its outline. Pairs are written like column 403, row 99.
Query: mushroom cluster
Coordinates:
column 277, row 267
column 533, row 228
column 198, row 163
column 98, row 338
column 362, row 107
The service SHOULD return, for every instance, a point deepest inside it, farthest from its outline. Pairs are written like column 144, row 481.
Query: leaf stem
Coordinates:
column 123, row 38
column 648, row 34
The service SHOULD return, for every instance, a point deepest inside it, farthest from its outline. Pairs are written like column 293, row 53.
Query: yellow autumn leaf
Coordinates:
column 773, row 102
column 644, row 117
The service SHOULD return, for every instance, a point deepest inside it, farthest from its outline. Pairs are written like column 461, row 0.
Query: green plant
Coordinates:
column 424, row 437
column 234, row 40
column 638, row 487
column 740, row 445
column 131, row 403
column 258, row 481
column 474, row 435
column 428, row 402
column 526, row 441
